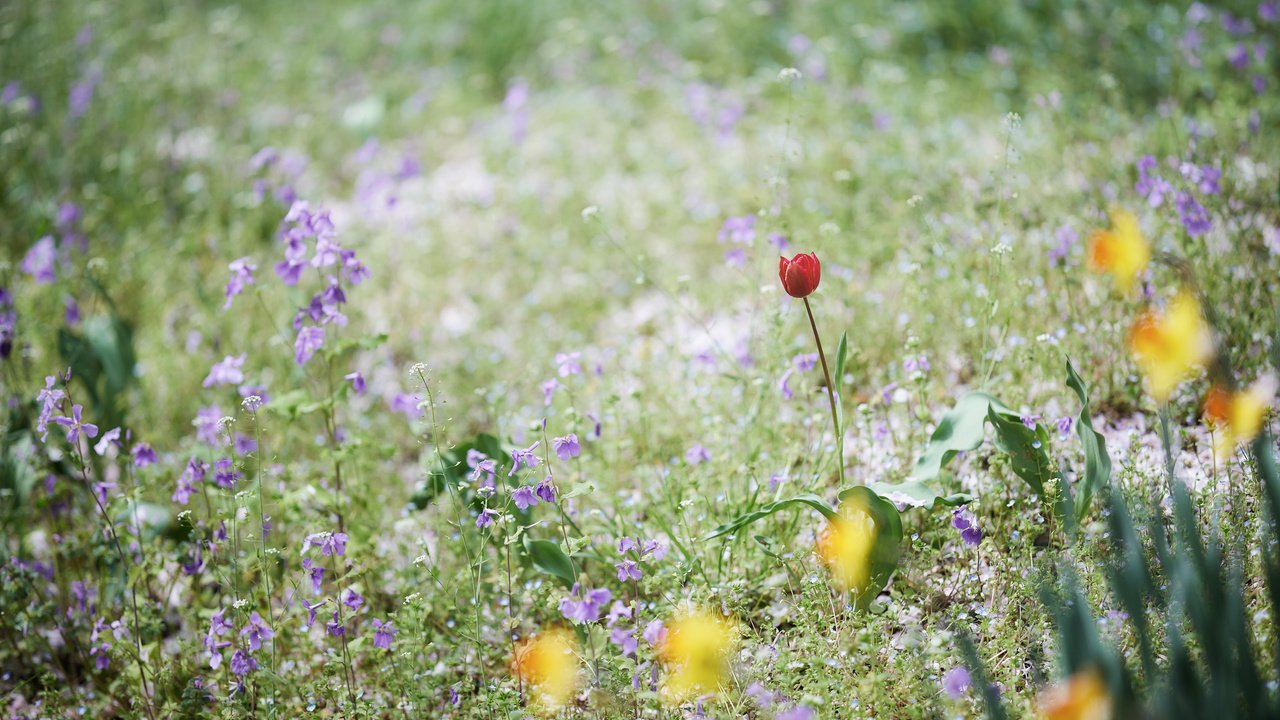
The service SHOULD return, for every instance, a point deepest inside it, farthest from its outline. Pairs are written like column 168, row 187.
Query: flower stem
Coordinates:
column 831, row 394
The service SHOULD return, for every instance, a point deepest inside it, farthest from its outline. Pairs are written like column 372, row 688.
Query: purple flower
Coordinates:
column 352, row 599
column 357, row 382
column 1193, row 215
column 227, row 372
column 50, row 399
column 1029, row 420
column 74, row 425
column 311, row 611
column 740, row 230
column 804, row 362
column 779, row 241
column 241, row 277
column 656, row 548
column 485, row 518
column 546, row 490
column 735, row 257
column 484, row 471
column 71, row 312
column 625, row 639
column 955, row 682
column 336, row 628
column 566, row 447
column 628, row 570
column 330, row 543
column 1269, row 11
column 655, row 632
column 697, row 455
column 784, row 384
column 310, row 339
column 1238, row 56
column 206, row 424
column 1066, row 237
column 524, row 457
column 143, row 455
column 568, row 364
column 256, row 631
column 626, row 545
column 82, row 94
column 549, row 389
column 799, row 712
column 109, row 438
column 1064, row 425
column 586, row 609
column 39, row 261
column 316, row 573
column 383, row 633
column 1153, row 187
column 524, row 497
column 406, row 405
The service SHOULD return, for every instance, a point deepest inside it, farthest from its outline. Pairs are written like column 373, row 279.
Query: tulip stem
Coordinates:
column 831, row 394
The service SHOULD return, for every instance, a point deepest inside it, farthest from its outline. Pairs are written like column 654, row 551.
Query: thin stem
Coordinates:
column 831, row 394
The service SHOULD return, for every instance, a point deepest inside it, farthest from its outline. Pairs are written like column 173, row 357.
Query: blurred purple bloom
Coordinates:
column 485, row 518
column 740, row 230
column 955, row 682
column 566, row 447
column 1030, row 421
column 310, row 339
column 625, row 639
column 227, row 372
column 383, row 634
column 74, row 425
column 1193, row 215
column 316, row 574
column 357, row 382
column 406, row 405
column 546, row 490
column 525, row 457
column 567, row 364
column 109, row 438
column 352, row 599
column 549, row 389
column 40, row 260
column 586, row 609
column 804, row 362
column 628, row 570
column 256, row 631
column 330, row 543
column 524, row 497
column 1064, row 425
column 241, row 277
column 697, row 455
column 82, row 94
column 799, row 712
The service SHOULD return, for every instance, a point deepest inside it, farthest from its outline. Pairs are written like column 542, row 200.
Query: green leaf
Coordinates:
column 888, row 545
column 1097, row 464
column 1025, row 448
column 742, row 521
column 918, row 493
column 842, row 353
column 549, row 558
column 960, row 430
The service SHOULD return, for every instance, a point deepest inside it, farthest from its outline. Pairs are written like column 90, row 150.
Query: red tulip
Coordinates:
column 800, row 274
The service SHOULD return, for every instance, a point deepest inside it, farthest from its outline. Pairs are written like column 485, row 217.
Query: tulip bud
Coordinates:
column 800, row 274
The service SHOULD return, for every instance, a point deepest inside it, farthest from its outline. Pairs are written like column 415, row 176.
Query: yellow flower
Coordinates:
column 1236, row 417
column 1170, row 345
column 845, row 547
column 549, row 664
column 696, row 652
column 1082, row 696
column 1120, row 250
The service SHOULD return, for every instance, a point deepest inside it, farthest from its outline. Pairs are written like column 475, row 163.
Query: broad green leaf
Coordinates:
column 888, row 546
column 742, row 521
column 960, row 430
column 1025, row 448
column 918, row 493
column 549, row 558
column 1097, row 464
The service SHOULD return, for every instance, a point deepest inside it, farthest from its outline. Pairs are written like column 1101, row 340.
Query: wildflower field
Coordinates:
column 775, row 359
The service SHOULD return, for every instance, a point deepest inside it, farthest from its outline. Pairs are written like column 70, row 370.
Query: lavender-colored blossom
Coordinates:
column 1030, row 420
column 628, row 570
column 625, row 639
column 108, row 439
column 74, row 426
column 566, row 447
column 311, row 611
column 628, row 544
column 955, row 682
column 735, row 257
column 1064, row 425
column 330, row 543
column 1193, row 215
column 227, row 372
column 206, row 424
column 804, row 362
column 548, row 390
column 546, row 490
column 383, row 634
column 40, row 260
column 357, row 382
column 406, row 404
column 798, row 712
column 567, row 364
column 524, row 497
column 1269, row 11
column 50, row 399
column 256, row 631
column 335, row 627
column 525, row 457
column 71, row 311
column 697, row 455
column 352, row 599
column 1066, row 237
column 655, row 632
column 310, row 339
column 486, row 518
column 82, row 93
column 587, row 608
column 316, row 574
column 242, row 271
column 740, row 230
column 784, row 384
column 779, row 241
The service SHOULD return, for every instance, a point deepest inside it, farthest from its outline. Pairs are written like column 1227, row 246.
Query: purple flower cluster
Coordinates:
column 584, row 607
column 633, row 553
column 967, row 524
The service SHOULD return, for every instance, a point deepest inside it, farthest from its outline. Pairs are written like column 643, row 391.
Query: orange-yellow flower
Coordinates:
column 1170, row 345
column 548, row 663
column 1236, row 417
column 696, row 653
column 1082, row 696
column 845, row 547
column 1120, row 250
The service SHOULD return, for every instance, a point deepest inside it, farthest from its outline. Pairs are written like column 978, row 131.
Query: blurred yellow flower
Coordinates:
column 1120, row 250
column 696, row 653
column 1170, row 345
column 1082, row 696
column 845, row 547
column 1236, row 417
column 549, row 664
